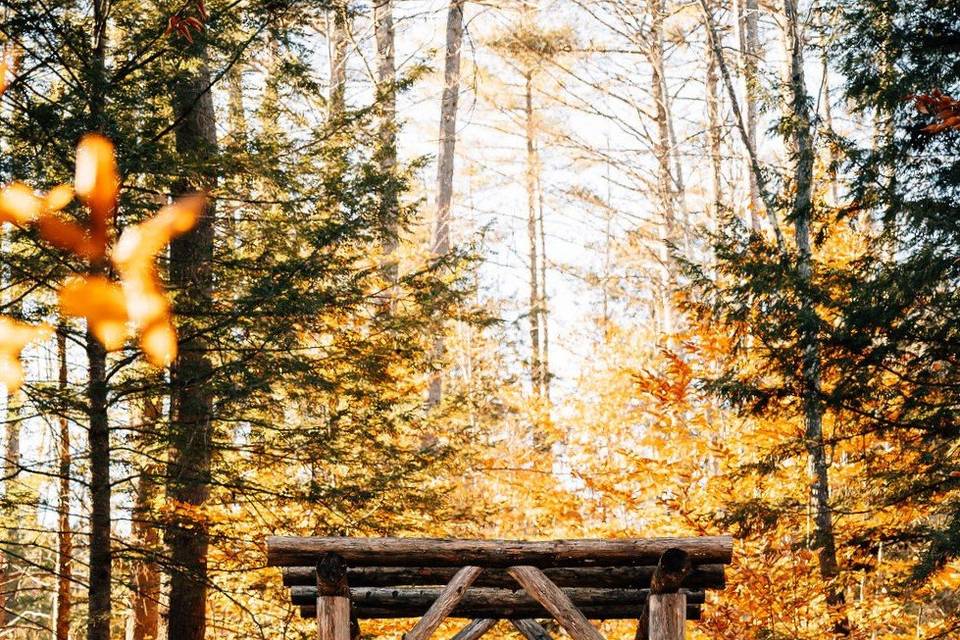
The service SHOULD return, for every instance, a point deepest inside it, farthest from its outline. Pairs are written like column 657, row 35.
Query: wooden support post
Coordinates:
column 673, row 568
column 475, row 629
column 444, row 604
column 333, row 599
column 667, row 615
column 555, row 601
column 531, row 629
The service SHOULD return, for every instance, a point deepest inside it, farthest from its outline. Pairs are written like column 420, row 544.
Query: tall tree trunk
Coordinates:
column 747, row 29
column 101, row 554
column 9, row 572
column 801, row 143
column 665, row 184
column 448, row 140
column 714, row 131
column 339, row 42
column 146, row 534
column 387, row 152
column 64, row 532
column 544, row 309
column 536, row 364
column 191, row 429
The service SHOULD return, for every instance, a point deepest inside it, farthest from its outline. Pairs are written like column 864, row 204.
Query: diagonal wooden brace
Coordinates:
column 444, row 604
column 554, row 600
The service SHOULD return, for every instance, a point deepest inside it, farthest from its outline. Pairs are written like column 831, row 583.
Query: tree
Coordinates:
column 445, row 160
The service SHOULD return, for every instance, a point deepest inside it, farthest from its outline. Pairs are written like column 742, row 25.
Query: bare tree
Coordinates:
column 448, row 141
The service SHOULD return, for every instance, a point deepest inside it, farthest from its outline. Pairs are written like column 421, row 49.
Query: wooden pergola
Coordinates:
column 660, row 582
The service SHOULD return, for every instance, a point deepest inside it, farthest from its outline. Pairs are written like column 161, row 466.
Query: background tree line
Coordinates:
column 516, row 269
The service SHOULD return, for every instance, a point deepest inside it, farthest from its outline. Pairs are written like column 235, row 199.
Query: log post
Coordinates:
column 333, row 599
column 556, row 602
column 665, row 599
column 667, row 615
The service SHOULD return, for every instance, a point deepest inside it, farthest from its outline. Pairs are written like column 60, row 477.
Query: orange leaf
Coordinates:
column 102, row 303
column 14, row 336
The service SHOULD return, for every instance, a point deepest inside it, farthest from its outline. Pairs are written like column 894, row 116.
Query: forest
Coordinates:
column 479, row 269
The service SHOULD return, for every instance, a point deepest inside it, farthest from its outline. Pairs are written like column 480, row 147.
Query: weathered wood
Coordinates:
column 444, row 604
column 331, row 576
column 610, row 612
column 673, row 567
column 667, row 613
column 333, row 599
column 555, row 601
column 333, row 618
column 705, row 576
column 531, row 629
column 419, row 597
column 475, row 629
column 443, row 552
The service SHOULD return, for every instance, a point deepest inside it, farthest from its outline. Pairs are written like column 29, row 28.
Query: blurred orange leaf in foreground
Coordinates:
column 14, row 336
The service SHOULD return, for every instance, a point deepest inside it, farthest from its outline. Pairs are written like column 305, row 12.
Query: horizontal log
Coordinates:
column 288, row 551
column 705, row 576
column 610, row 612
column 423, row 597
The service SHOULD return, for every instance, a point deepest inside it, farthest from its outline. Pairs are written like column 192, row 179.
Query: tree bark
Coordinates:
column 64, row 531
column 707, row 576
column 801, row 142
column 146, row 578
column 747, row 23
column 339, row 42
column 665, row 186
column 445, row 161
column 191, row 428
column 292, row 551
column 101, row 555
column 714, row 133
column 536, row 365
column 387, row 152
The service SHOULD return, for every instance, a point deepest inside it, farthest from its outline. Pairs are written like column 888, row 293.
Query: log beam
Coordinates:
column 443, row 552
column 704, row 576
column 555, row 601
column 444, row 604
column 609, row 612
column 411, row 597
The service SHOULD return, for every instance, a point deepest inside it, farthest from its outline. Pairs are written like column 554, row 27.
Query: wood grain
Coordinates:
column 444, row 604
column 704, row 576
column 556, row 602
column 444, row 552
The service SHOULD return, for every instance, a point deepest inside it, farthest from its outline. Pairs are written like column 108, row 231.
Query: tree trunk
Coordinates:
column 387, row 152
column 665, row 186
column 714, row 136
column 191, row 428
column 339, row 41
column 9, row 578
column 801, row 143
column 146, row 579
column 64, row 532
column 101, row 555
column 747, row 22
column 544, row 309
column 448, row 140
column 536, row 365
